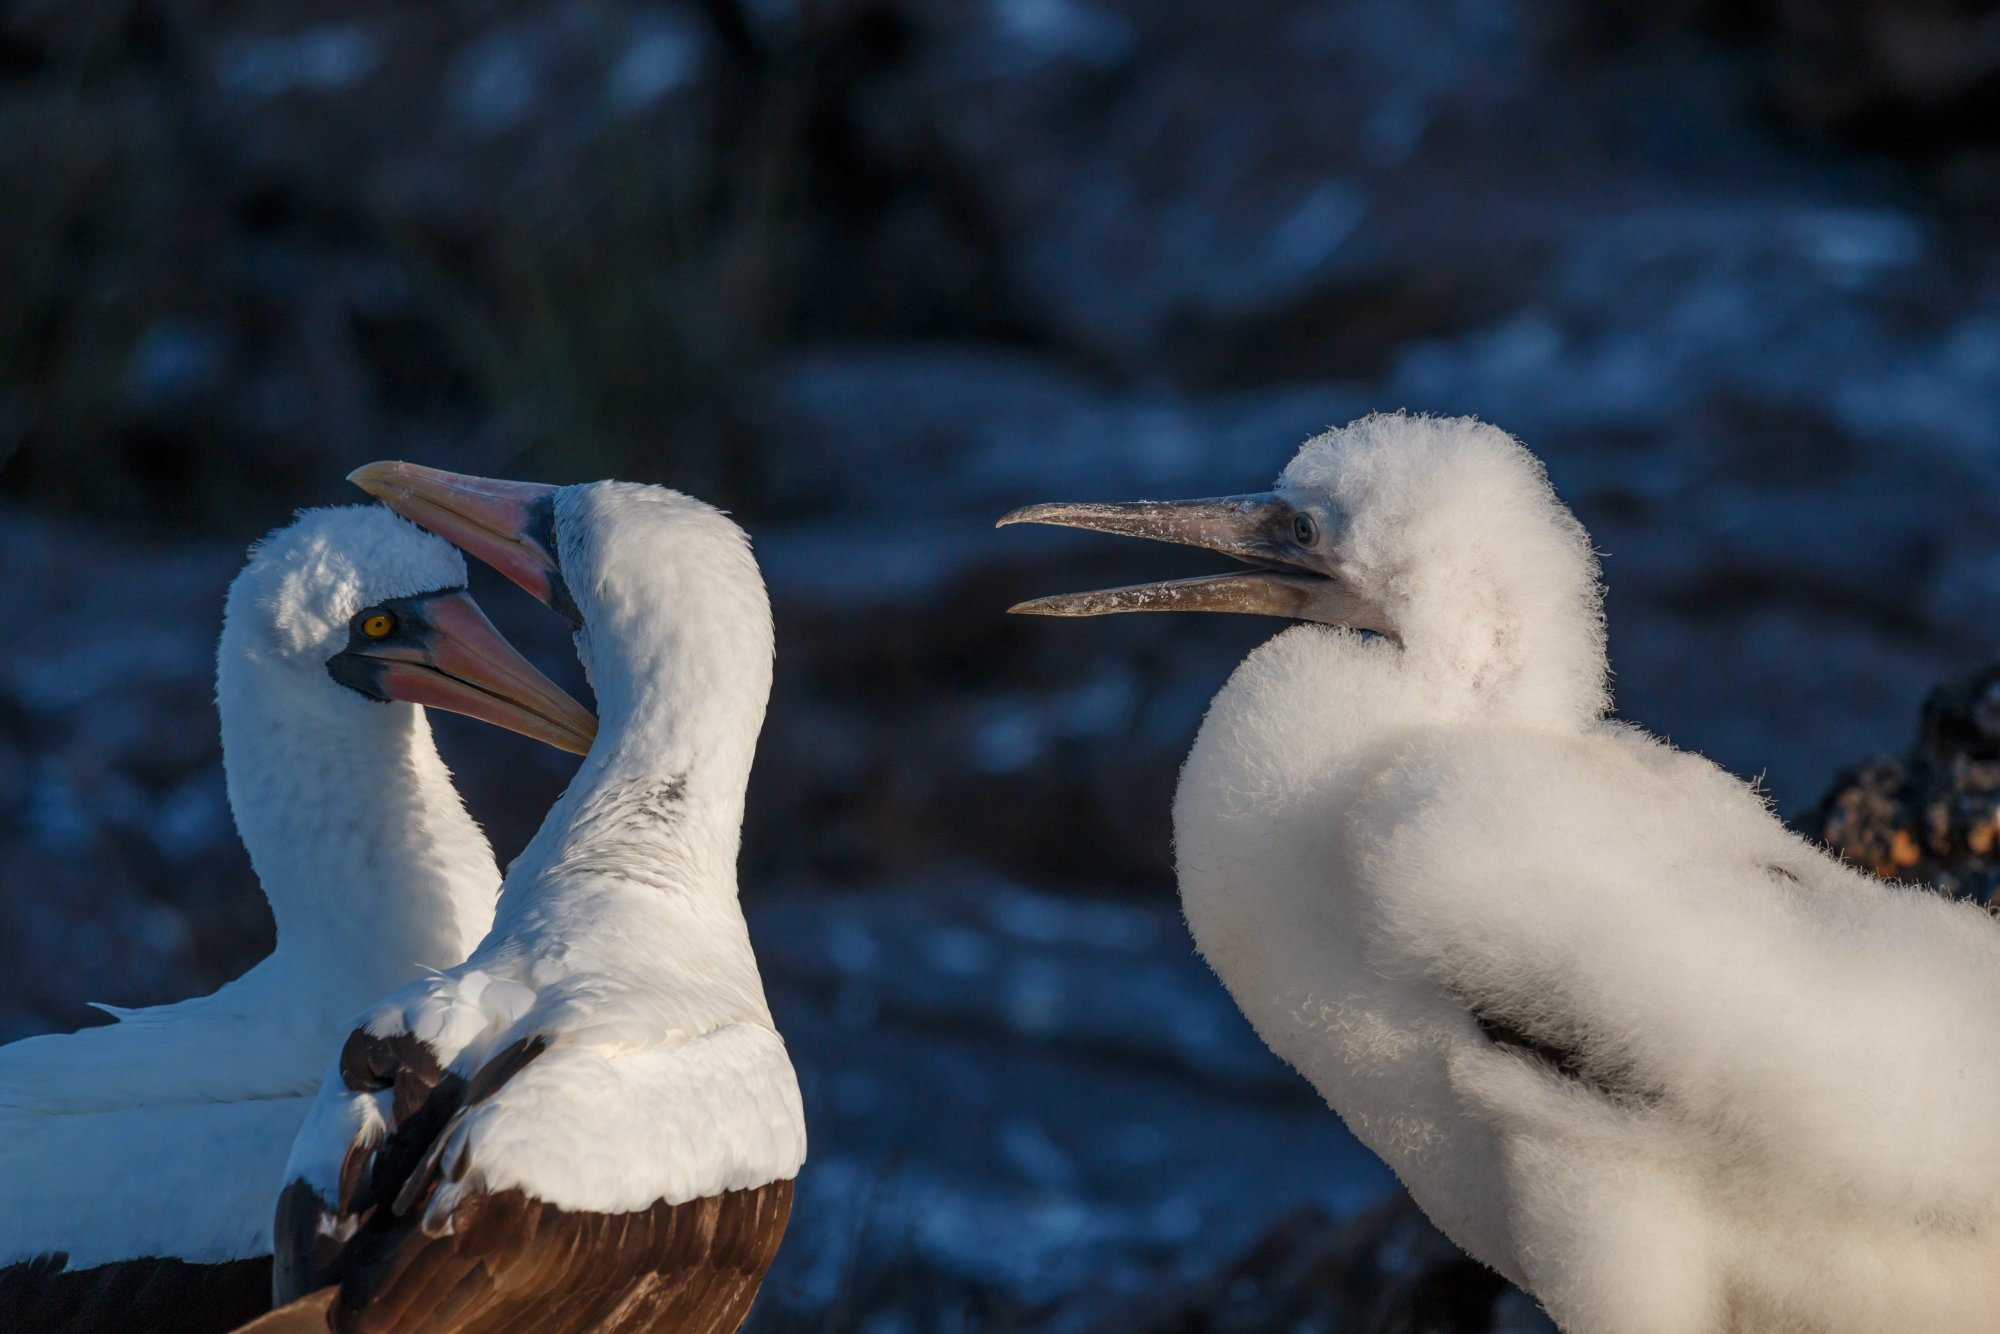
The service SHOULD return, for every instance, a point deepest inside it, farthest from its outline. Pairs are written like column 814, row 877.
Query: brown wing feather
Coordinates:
column 513, row 1263
column 168, row 1295
column 509, row 1262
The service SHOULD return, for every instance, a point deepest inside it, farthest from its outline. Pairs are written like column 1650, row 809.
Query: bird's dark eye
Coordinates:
column 378, row 624
column 1304, row 531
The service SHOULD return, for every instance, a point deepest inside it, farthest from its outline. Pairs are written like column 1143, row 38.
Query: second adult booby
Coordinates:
column 1625, row 1038
column 592, row 1123
column 139, row 1162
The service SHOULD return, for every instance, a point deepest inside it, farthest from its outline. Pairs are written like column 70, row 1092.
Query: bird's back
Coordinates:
column 1708, row 1059
column 145, row 1217
column 161, row 1135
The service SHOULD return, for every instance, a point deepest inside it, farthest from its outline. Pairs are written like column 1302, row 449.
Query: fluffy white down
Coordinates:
column 1791, row 1070
column 618, row 938
column 167, row 1132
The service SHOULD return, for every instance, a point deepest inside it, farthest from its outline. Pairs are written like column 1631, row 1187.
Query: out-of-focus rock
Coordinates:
column 1239, row 194
column 1931, row 815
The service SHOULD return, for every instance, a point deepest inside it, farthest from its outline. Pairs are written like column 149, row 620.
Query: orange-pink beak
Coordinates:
column 439, row 650
column 509, row 525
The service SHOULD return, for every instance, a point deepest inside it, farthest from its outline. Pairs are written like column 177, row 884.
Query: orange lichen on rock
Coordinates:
column 1931, row 815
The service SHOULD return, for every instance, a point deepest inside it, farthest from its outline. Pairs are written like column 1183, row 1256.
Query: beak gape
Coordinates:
column 1260, row 530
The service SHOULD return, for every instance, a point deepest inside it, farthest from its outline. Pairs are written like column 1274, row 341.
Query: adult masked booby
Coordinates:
column 591, row 1123
column 1625, row 1038
column 139, row 1161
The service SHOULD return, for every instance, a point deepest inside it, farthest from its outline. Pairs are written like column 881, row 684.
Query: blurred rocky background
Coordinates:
column 871, row 272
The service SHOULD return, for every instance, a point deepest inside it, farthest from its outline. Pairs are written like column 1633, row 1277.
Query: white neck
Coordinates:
column 372, row 864
column 657, row 806
column 659, row 800
column 677, row 642
column 632, row 877
column 374, row 872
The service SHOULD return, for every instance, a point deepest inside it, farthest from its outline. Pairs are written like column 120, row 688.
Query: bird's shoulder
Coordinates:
column 397, row 1069
column 1503, row 795
column 370, row 1153
column 530, row 1067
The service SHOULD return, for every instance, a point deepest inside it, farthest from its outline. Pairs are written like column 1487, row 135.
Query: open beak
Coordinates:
column 509, row 525
column 1256, row 529
column 445, row 654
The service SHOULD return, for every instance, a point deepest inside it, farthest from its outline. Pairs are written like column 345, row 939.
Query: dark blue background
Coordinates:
column 871, row 272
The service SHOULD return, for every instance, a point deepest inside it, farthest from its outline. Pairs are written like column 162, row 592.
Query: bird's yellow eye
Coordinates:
column 378, row 625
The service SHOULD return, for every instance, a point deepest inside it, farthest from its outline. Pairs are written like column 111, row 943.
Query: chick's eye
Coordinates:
column 1304, row 531
column 377, row 625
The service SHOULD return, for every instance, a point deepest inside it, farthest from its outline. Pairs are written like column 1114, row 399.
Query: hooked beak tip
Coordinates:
column 379, row 479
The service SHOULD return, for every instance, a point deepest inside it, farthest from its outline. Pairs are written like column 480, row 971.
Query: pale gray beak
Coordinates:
column 1260, row 529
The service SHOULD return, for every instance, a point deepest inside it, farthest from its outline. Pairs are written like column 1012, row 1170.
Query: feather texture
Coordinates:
column 592, row 1122
column 1625, row 1038
column 163, row 1136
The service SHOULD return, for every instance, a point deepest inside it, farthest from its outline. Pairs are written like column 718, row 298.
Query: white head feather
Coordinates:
column 1448, row 524
column 372, row 865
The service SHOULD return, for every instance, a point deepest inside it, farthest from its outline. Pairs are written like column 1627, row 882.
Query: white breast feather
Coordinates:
column 614, row 1131
column 619, row 1112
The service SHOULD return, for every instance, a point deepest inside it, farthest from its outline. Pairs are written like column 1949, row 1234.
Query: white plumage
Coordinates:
column 618, row 940
column 164, row 1134
column 1625, row 1038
